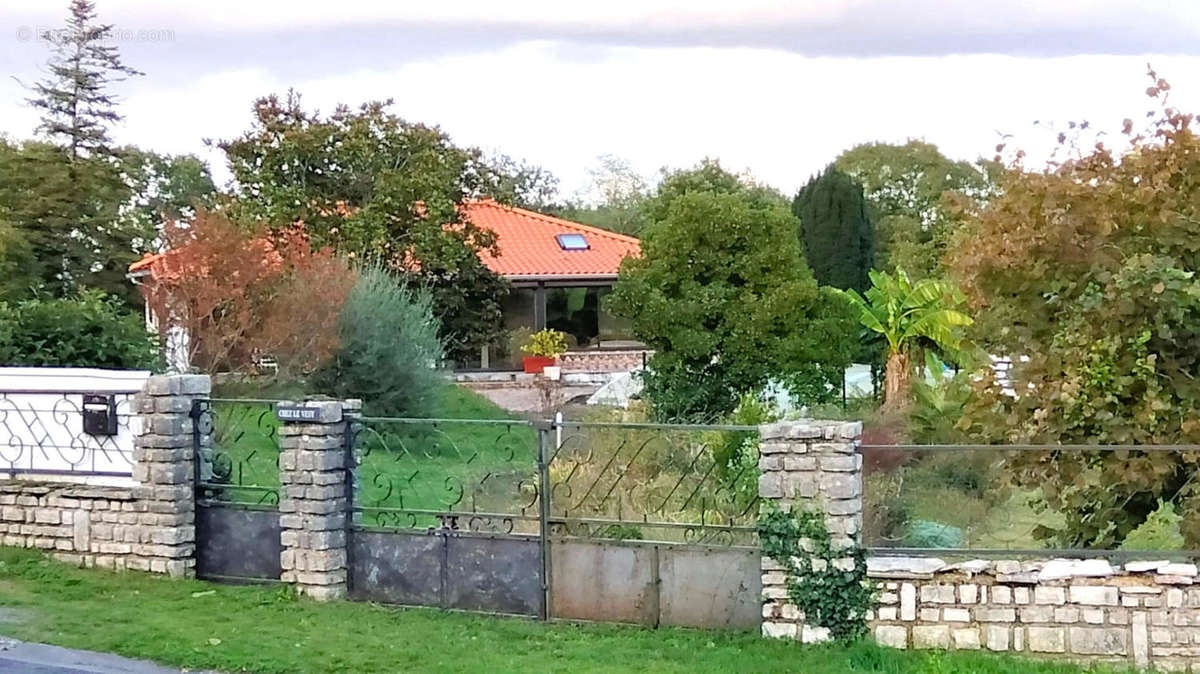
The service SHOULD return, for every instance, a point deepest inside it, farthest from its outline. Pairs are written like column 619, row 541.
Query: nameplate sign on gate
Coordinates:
column 296, row 413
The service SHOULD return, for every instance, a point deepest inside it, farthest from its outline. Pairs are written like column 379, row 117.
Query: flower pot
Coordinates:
column 535, row 364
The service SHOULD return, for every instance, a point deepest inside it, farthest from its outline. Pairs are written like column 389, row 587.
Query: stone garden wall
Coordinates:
column 1143, row 613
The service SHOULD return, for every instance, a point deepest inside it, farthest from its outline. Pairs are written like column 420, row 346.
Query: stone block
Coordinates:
column 892, row 636
column 1098, row 641
column 773, row 630
column 1047, row 639
column 937, row 594
column 968, row 594
column 931, row 636
column 1094, row 595
column 1044, row 594
column 908, row 602
column 770, row 485
column 997, row 637
column 995, row 615
column 966, row 638
column 810, row 634
column 1001, row 594
column 956, row 615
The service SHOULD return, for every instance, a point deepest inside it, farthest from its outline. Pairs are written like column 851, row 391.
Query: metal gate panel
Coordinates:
column 237, row 543
column 447, row 569
column 494, row 574
column 396, row 567
column 606, row 582
column 710, row 587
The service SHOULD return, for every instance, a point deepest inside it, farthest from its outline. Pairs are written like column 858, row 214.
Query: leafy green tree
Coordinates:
column 722, row 294
column 77, row 107
column 81, row 223
column 836, row 230
column 87, row 330
column 905, row 313
column 1084, row 275
column 376, row 186
column 911, row 189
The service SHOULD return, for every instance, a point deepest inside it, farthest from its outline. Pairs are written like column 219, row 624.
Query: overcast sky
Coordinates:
column 778, row 88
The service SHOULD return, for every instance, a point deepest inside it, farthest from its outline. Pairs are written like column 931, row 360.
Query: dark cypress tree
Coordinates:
column 836, row 230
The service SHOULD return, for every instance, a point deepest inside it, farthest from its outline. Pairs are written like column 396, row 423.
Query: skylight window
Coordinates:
column 572, row 241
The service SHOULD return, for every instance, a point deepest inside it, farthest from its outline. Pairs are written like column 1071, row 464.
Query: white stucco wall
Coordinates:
column 41, row 424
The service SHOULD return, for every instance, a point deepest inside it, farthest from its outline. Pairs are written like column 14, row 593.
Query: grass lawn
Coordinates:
column 201, row 625
column 447, row 466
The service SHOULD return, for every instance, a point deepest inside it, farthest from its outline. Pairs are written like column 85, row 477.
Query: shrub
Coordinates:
column 546, row 344
column 90, row 329
column 1160, row 531
column 389, row 348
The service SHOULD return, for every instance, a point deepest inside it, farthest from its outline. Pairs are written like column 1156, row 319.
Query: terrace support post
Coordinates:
column 816, row 466
column 164, row 540
column 315, row 476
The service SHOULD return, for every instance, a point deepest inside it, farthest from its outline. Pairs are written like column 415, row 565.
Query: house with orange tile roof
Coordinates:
column 560, row 272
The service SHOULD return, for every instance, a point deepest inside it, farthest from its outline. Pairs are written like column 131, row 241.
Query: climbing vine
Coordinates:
column 829, row 585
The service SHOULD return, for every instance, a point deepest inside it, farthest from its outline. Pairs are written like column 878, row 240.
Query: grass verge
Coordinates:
column 199, row 625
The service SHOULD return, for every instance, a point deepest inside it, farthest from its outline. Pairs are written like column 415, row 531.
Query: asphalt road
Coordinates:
column 17, row 656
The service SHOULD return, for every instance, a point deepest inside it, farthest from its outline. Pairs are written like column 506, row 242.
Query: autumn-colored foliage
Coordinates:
column 1084, row 275
column 242, row 295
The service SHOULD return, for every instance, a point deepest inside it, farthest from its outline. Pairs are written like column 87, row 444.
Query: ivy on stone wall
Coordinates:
column 828, row 584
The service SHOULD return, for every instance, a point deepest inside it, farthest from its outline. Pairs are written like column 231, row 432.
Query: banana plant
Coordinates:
column 905, row 313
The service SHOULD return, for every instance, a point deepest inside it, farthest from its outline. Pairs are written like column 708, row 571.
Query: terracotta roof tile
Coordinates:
column 528, row 247
column 527, row 243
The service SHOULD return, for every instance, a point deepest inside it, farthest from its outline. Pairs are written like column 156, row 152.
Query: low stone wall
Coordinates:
column 89, row 526
column 1145, row 613
column 604, row 361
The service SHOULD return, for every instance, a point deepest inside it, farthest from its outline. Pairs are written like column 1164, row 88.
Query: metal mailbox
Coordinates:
column 99, row 414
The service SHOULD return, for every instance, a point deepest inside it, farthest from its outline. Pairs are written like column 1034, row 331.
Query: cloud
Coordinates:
column 861, row 28
column 778, row 114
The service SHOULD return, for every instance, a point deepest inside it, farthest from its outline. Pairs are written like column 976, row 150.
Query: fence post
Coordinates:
column 313, row 508
column 165, row 459
column 812, row 465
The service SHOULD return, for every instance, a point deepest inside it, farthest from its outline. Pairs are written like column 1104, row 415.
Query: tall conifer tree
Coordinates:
column 836, row 230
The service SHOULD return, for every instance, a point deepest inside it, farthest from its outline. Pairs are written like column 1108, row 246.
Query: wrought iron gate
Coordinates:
column 237, row 490
column 643, row 523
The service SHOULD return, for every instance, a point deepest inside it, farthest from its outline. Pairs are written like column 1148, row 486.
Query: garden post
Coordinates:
column 315, row 478
column 816, row 466
column 164, row 467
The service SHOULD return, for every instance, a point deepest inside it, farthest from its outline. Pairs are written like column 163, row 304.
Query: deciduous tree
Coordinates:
column 231, row 295
column 722, row 294
column 374, row 185
column 911, row 189
column 1085, row 276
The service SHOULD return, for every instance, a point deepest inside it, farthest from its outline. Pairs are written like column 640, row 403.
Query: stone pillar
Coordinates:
column 164, row 540
column 314, row 503
column 811, row 465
